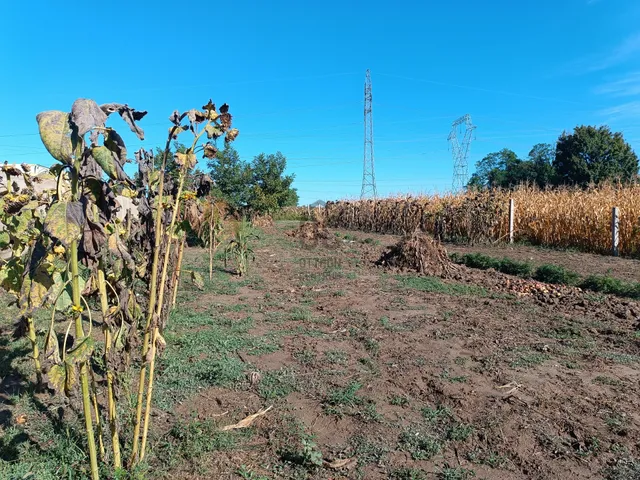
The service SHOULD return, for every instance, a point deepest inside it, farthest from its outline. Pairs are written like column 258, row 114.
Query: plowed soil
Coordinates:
column 406, row 376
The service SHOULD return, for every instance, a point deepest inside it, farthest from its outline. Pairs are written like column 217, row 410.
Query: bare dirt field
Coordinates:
column 379, row 374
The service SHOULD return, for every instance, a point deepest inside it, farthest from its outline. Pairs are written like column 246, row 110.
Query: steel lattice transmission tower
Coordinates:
column 460, row 150
column 368, row 172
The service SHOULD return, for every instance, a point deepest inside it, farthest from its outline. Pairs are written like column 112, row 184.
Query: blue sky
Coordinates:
column 293, row 74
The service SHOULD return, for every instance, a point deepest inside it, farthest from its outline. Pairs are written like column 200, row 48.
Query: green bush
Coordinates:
column 485, row 262
column 607, row 284
column 555, row 274
column 513, row 267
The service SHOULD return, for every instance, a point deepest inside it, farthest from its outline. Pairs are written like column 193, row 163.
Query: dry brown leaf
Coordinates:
column 246, row 422
column 21, row 419
column 343, row 463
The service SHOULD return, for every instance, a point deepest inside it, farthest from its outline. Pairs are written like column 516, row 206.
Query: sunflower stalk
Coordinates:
column 31, row 332
column 108, row 345
column 77, row 313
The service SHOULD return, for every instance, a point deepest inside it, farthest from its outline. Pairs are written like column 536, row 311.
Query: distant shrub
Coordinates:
column 513, row 267
column 607, row 284
column 484, row 262
column 555, row 274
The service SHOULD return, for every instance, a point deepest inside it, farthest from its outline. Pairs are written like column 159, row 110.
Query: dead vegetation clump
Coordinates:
column 262, row 221
column 418, row 252
column 310, row 231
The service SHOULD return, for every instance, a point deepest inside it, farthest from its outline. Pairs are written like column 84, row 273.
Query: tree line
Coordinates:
column 587, row 156
column 259, row 186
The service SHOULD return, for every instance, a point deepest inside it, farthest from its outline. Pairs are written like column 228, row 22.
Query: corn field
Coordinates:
column 566, row 218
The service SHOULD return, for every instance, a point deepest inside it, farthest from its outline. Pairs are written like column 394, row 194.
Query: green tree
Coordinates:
column 592, row 155
column 498, row 169
column 232, row 178
column 541, row 157
column 270, row 187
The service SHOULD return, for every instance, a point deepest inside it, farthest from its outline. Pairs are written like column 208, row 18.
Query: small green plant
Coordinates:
column 448, row 472
column 405, row 473
column 455, row 379
column 526, row 358
column 305, row 356
column 617, row 422
column 603, row 380
column 247, row 474
column 340, row 399
column 278, row 384
column 338, row 357
column 491, row 459
column 436, row 414
column 422, row 446
column 372, row 346
column 399, row 400
column 239, row 246
column 625, row 468
column 459, row 432
column 307, row 455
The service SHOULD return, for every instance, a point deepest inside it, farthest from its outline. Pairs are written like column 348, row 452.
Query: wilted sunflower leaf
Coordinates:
column 109, row 163
column 65, row 222
column 196, row 116
column 175, row 117
column 51, row 347
column 175, row 131
column 89, row 168
column 57, row 376
column 93, row 238
column 86, row 115
column 11, row 275
column 213, row 131
column 188, row 159
column 71, row 375
column 197, row 280
column 56, row 134
column 35, row 287
column 128, row 114
column 82, row 351
column 120, row 337
column 5, row 240
column 114, row 142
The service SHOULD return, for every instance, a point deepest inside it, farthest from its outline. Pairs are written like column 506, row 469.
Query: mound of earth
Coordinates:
column 310, row 231
column 418, row 252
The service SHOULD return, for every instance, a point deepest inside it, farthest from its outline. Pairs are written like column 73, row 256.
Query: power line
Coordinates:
column 479, row 89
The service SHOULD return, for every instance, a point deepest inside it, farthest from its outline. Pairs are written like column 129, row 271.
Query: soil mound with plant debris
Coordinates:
column 310, row 231
column 262, row 221
column 418, row 252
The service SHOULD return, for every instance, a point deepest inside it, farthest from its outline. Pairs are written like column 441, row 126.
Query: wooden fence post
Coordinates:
column 511, row 213
column 615, row 226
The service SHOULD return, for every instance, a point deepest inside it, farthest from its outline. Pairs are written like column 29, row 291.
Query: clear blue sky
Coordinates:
column 293, row 75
